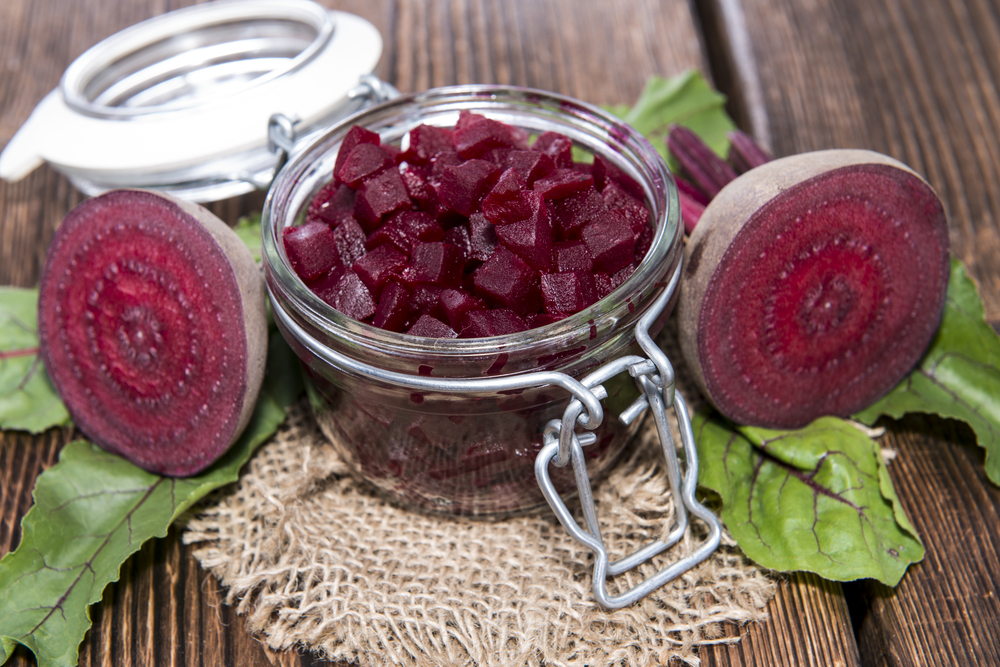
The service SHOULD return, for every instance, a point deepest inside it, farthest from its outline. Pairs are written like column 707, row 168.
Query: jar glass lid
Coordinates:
column 182, row 102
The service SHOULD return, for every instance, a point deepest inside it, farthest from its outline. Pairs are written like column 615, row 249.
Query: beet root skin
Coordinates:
column 813, row 285
column 152, row 326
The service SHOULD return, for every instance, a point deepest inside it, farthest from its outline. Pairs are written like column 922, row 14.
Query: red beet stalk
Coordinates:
column 691, row 210
column 707, row 170
column 745, row 153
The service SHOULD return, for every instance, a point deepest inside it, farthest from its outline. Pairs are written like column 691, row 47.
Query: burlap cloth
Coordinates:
column 317, row 560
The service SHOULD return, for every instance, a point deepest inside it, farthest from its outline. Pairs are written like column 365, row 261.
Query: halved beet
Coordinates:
column 814, row 283
column 152, row 326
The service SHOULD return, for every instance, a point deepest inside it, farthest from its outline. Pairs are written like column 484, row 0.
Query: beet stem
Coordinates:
column 708, row 171
column 745, row 153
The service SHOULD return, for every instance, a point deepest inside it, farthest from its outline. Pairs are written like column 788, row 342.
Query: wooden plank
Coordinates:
column 916, row 80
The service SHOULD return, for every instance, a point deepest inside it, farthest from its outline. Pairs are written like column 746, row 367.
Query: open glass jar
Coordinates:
column 451, row 425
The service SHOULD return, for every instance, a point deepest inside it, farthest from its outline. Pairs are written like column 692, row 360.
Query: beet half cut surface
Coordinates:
column 152, row 327
column 813, row 285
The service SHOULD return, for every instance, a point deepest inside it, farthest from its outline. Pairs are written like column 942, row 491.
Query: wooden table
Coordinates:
column 912, row 78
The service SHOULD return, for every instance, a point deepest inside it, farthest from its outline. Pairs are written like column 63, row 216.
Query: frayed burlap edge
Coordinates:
column 317, row 560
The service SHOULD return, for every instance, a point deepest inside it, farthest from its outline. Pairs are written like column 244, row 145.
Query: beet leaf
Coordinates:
column 959, row 375
column 248, row 229
column 93, row 510
column 28, row 401
column 816, row 499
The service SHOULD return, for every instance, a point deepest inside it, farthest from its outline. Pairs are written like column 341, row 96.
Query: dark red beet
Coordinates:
column 437, row 263
column 393, row 311
column 567, row 293
column 345, row 291
column 152, row 327
column 531, row 238
column 455, row 303
column 426, row 141
column 557, row 146
column 532, row 165
column 463, row 186
column 506, row 202
column 610, row 242
column 376, row 267
column 355, row 136
column 562, row 183
column 311, row 250
column 606, row 173
column 480, row 135
column 363, row 162
column 332, row 205
column 507, row 281
column 482, row 237
column 631, row 209
column 814, row 283
column 572, row 256
column 494, row 322
column 405, row 229
column 570, row 215
column 379, row 196
column 431, row 327
column 350, row 239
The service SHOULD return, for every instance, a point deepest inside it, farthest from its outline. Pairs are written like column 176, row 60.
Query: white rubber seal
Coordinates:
column 97, row 128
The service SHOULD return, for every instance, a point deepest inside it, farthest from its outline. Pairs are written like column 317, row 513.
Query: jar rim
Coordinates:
column 589, row 126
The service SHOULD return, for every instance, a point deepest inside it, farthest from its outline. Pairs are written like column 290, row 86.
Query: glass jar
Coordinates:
column 454, row 446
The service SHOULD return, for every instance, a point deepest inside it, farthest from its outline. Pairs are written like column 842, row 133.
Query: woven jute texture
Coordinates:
column 316, row 560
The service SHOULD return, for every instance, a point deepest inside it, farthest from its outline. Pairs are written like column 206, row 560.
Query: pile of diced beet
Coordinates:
column 469, row 232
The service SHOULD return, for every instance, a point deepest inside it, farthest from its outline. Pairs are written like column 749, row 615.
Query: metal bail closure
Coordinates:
column 564, row 445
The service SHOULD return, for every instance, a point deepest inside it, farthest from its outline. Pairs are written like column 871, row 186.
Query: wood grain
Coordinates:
column 915, row 79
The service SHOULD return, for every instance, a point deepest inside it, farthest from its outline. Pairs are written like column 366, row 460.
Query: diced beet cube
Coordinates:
column 363, row 162
column 426, row 141
column 431, row 327
column 568, row 292
column 605, row 283
column 507, row 281
column 466, row 118
column 610, row 242
column 618, row 199
column 556, row 146
column 482, row 237
column 379, row 196
column 426, row 299
column 344, row 291
column 355, row 136
column 437, row 263
column 532, row 165
column 350, row 241
column 376, row 267
column 605, row 172
column 495, row 322
column 572, row 214
column 531, row 238
column 419, row 189
column 393, row 311
column 562, row 183
column 474, row 139
column 404, row 229
column 506, row 202
column 463, row 186
column 455, row 303
column 458, row 236
column 331, row 205
column 572, row 256
column 311, row 250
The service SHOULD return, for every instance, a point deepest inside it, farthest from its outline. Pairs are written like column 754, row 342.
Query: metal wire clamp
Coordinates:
column 562, row 444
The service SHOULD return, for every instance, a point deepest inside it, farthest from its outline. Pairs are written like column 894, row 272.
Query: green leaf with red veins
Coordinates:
column 28, row 401
column 818, row 499
column 93, row 510
column 959, row 374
